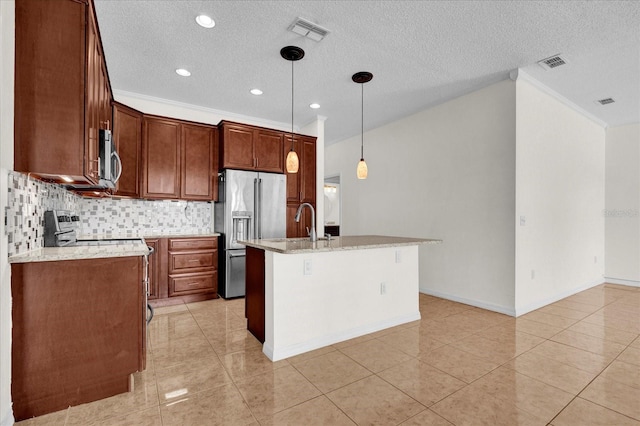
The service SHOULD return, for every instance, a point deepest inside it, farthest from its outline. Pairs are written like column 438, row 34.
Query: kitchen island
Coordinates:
column 302, row 296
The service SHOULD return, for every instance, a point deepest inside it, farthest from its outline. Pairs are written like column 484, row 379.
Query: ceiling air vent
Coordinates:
column 552, row 62
column 605, row 101
column 308, row 29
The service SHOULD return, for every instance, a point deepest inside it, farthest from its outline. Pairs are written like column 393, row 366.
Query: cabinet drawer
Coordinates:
column 193, row 283
column 182, row 262
column 193, row 243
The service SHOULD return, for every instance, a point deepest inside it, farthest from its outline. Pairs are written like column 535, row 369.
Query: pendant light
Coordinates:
column 292, row 53
column 361, row 78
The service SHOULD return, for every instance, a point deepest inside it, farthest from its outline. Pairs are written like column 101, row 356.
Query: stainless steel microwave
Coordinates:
column 109, row 164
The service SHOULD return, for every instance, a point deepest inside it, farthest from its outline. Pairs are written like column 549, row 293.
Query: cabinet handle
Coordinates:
column 194, row 260
column 300, row 194
column 256, row 162
column 106, row 123
column 193, row 283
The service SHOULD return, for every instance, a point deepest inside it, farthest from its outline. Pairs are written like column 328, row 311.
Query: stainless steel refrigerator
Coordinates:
column 250, row 205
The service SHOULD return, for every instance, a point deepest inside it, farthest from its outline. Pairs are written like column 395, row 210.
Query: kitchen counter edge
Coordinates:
column 359, row 242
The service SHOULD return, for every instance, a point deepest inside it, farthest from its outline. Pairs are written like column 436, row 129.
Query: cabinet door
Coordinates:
column 308, row 171
column 93, row 101
column 127, row 134
column 298, row 229
column 237, row 147
column 294, row 188
column 160, row 158
column 268, row 151
column 197, row 162
column 153, row 268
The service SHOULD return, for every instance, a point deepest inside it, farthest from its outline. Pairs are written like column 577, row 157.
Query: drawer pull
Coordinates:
column 193, row 283
column 194, row 260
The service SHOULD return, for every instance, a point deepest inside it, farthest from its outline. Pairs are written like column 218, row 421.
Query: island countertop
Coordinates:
column 354, row 242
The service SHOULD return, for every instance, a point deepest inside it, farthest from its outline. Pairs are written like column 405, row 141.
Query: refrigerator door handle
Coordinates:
column 259, row 208
column 256, row 209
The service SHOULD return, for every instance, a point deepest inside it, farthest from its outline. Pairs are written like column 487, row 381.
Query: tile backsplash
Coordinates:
column 29, row 198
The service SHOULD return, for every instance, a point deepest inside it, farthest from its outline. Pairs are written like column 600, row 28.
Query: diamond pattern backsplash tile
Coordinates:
column 29, row 198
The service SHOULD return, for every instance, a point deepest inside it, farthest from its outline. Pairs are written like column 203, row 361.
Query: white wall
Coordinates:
column 560, row 194
column 7, row 37
column 622, row 205
column 447, row 173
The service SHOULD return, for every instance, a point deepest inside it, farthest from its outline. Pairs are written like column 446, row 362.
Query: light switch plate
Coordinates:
column 307, row 267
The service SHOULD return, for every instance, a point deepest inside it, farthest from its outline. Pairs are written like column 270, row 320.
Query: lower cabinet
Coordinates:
column 78, row 331
column 183, row 270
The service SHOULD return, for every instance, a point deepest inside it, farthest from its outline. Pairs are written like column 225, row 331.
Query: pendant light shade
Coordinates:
column 361, row 78
column 292, row 53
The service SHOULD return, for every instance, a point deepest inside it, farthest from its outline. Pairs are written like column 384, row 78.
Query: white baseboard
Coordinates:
column 620, row 281
column 297, row 349
column 478, row 304
column 521, row 310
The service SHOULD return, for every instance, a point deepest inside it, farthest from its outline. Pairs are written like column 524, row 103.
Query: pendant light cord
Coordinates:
column 292, row 105
column 362, row 122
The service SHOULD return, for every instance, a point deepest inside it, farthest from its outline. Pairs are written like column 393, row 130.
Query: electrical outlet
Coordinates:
column 523, row 220
column 383, row 288
column 595, row 259
column 398, row 256
column 307, row 266
column 533, row 274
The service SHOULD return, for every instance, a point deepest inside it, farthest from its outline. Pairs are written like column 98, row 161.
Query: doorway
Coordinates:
column 332, row 202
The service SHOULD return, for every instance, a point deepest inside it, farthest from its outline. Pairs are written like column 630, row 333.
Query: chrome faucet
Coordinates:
column 312, row 233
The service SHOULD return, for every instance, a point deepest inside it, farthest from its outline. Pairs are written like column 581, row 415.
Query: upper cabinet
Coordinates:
column 301, row 186
column 178, row 160
column 62, row 91
column 127, row 134
column 250, row 148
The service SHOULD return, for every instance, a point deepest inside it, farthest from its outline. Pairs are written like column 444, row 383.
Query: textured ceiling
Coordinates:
column 421, row 53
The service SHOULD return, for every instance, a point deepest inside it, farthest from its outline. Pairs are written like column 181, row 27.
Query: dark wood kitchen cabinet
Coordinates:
column 301, row 186
column 250, row 148
column 62, row 91
column 78, row 331
column 178, row 159
column 127, row 134
column 184, row 270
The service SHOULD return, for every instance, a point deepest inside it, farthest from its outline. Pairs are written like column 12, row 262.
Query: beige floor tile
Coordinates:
column 411, row 342
column 588, row 297
column 272, row 392
column 164, row 310
column 468, row 322
column 172, row 326
column 508, row 334
column 445, row 332
column 148, row 417
column 614, row 395
column 581, row 307
column 474, row 407
column 144, row 395
column 593, row 344
column 441, row 309
column 243, row 364
column 551, row 372
column 232, row 341
column 533, row 396
column 549, row 319
column 578, row 358
column 53, row 419
column 563, row 312
column 316, row 412
column 624, row 324
column 537, row 328
column 195, row 375
column 460, row 364
column 176, row 351
column 630, row 355
column 375, row 355
column 220, row 406
column 581, row 412
column 492, row 350
column 628, row 374
column 603, row 332
column 422, row 382
column 635, row 343
column 374, row 401
column 427, row 417
column 223, row 321
column 294, row 360
column 331, row 371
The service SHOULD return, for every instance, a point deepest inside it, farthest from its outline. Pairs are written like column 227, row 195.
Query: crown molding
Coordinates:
column 224, row 115
column 520, row 74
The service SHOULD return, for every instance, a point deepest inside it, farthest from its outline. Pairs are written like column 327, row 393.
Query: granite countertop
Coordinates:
column 125, row 248
column 358, row 242
column 152, row 234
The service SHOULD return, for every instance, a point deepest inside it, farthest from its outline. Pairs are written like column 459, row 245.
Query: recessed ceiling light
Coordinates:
column 205, row 21
column 314, row 106
column 256, row 92
column 183, row 72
